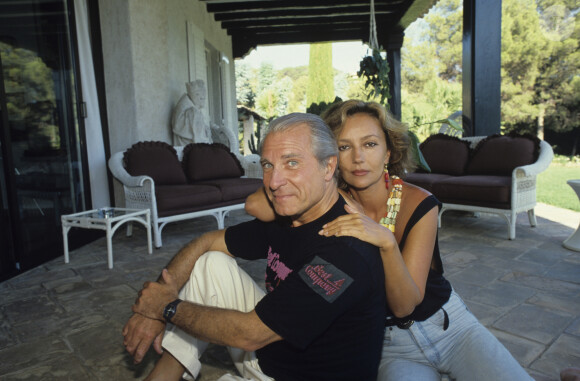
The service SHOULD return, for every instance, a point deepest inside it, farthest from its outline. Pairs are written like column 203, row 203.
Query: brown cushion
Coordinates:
column 490, row 191
column 445, row 154
column 235, row 188
column 155, row 159
column 184, row 198
column 202, row 161
column 501, row 154
column 425, row 180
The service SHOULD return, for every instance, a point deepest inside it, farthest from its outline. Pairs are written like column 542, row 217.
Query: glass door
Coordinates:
column 42, row 176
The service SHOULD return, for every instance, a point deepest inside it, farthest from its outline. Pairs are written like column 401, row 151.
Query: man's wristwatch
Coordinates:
column 170, row 310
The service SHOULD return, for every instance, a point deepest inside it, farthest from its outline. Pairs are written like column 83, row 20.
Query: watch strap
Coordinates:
column 170, row 310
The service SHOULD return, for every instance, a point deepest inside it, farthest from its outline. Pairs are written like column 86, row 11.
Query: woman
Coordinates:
column 429, row 330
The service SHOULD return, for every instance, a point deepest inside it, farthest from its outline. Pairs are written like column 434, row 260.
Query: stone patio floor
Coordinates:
column 63, row 321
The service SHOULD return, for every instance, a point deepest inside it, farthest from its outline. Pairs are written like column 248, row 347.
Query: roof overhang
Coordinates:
column 270, row 22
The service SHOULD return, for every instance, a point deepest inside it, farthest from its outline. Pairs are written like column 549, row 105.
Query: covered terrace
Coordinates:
column 64, row 321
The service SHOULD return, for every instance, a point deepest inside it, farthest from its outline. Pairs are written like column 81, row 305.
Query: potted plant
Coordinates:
column 375, row 70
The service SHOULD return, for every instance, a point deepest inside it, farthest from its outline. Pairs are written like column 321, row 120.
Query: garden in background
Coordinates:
column 552, row 188
column 540, row 84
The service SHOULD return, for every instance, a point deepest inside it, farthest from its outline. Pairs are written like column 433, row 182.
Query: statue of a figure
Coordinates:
column 187, row 120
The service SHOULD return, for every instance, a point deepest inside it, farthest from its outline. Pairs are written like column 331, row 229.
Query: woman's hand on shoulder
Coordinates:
column 351, row 205
column 358, row 225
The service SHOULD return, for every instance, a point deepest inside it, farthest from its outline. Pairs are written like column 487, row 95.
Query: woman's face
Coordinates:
column 363, row 151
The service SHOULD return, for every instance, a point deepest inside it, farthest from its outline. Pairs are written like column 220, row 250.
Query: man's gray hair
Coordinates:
column 321, row 137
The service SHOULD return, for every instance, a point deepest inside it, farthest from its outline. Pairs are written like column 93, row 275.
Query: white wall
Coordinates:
column 146, row 65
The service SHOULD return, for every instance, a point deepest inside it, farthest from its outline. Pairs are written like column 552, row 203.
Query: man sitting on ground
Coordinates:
column 323, row 315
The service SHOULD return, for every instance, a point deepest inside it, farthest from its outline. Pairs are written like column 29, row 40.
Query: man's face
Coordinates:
column 294, row 180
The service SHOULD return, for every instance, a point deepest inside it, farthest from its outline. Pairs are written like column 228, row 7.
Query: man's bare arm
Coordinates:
column 140, row 331
column 224, row 327
column 211, row 324
column 181, row 266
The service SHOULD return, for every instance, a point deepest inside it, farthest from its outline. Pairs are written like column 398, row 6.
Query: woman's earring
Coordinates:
column 386, row 170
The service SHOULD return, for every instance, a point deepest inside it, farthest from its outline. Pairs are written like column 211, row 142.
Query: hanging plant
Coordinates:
column 375, row 70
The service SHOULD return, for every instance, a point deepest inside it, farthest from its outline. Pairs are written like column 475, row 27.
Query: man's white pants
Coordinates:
column 216, row 281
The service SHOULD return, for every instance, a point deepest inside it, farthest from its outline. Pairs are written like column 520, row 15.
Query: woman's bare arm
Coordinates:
column 259, row 206
column 405, row 273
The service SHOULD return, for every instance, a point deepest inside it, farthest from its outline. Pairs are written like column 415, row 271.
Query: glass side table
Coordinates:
column 573, row 242
column 107, row 219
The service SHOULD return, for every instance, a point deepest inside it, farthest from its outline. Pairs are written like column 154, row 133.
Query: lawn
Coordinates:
column 552, row 188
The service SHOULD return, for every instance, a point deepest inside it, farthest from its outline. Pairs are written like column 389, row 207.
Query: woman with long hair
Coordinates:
column 428, row 329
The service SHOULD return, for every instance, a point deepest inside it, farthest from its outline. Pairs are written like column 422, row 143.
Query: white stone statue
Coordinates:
column 187, row 119
column 189, row 126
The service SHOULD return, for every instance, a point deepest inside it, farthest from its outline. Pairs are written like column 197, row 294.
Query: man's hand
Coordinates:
column 155, row 296
column 146, row 326
column 139, row 333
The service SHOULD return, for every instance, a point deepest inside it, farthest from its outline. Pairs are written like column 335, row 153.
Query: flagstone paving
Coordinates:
column 63, row 321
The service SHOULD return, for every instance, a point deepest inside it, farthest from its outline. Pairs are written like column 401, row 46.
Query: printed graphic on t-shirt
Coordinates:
column 278, row 268
column 325, row 279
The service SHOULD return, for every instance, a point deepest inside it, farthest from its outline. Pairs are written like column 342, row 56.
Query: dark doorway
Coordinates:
column 41, row 133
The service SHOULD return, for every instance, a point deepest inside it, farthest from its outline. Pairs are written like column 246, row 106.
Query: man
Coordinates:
column 323, row 315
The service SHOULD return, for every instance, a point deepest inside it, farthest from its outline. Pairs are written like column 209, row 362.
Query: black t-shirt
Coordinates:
column 325, row 297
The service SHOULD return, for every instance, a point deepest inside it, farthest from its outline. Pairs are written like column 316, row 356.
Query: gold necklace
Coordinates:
column 393, row 204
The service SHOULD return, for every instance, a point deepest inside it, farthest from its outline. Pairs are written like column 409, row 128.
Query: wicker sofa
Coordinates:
column 495, row 174
column 181, row 183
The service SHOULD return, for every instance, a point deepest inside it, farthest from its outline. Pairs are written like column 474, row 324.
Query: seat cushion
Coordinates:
column 501, row 154
column 235, row 189
column 177, row 199
column 157, row 160
column 445, row 154
column 489, row 191
column 425, row 180
column 202, row 161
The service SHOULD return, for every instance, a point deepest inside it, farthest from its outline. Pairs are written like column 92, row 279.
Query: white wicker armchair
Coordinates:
column 140, row 193
column 523, row 194
column 250, row 163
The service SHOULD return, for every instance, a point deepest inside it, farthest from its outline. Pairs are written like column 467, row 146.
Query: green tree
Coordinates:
column 432, row 46
column 523, row 50
column 431, row 59
column 31, row 99
column 244, row 89
column 419, row 109
column 320, row 74
column 558, row 84
column 297, row 96
column 273, row 100
column 266, row 76
column 446, row 25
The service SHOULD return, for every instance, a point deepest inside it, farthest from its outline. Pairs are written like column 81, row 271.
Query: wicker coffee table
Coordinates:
column 107, row 219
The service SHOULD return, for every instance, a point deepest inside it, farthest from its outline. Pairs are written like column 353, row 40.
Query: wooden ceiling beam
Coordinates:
column 235, row 16
column 243, row 44
column 308, row 30
column 252, row 23
column 233, row 6
column 267, row 22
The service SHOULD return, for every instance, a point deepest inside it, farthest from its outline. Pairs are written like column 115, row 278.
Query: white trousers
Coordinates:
column 216, row 281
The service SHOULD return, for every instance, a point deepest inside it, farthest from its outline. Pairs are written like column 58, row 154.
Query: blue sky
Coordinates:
column 346, row 56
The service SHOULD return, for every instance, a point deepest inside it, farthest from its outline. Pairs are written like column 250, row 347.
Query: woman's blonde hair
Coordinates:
column 397, row 138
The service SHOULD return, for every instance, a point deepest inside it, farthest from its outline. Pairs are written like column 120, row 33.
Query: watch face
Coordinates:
column 170, row 310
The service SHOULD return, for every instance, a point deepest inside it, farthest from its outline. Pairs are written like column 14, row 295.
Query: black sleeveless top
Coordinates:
column 438, row 289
